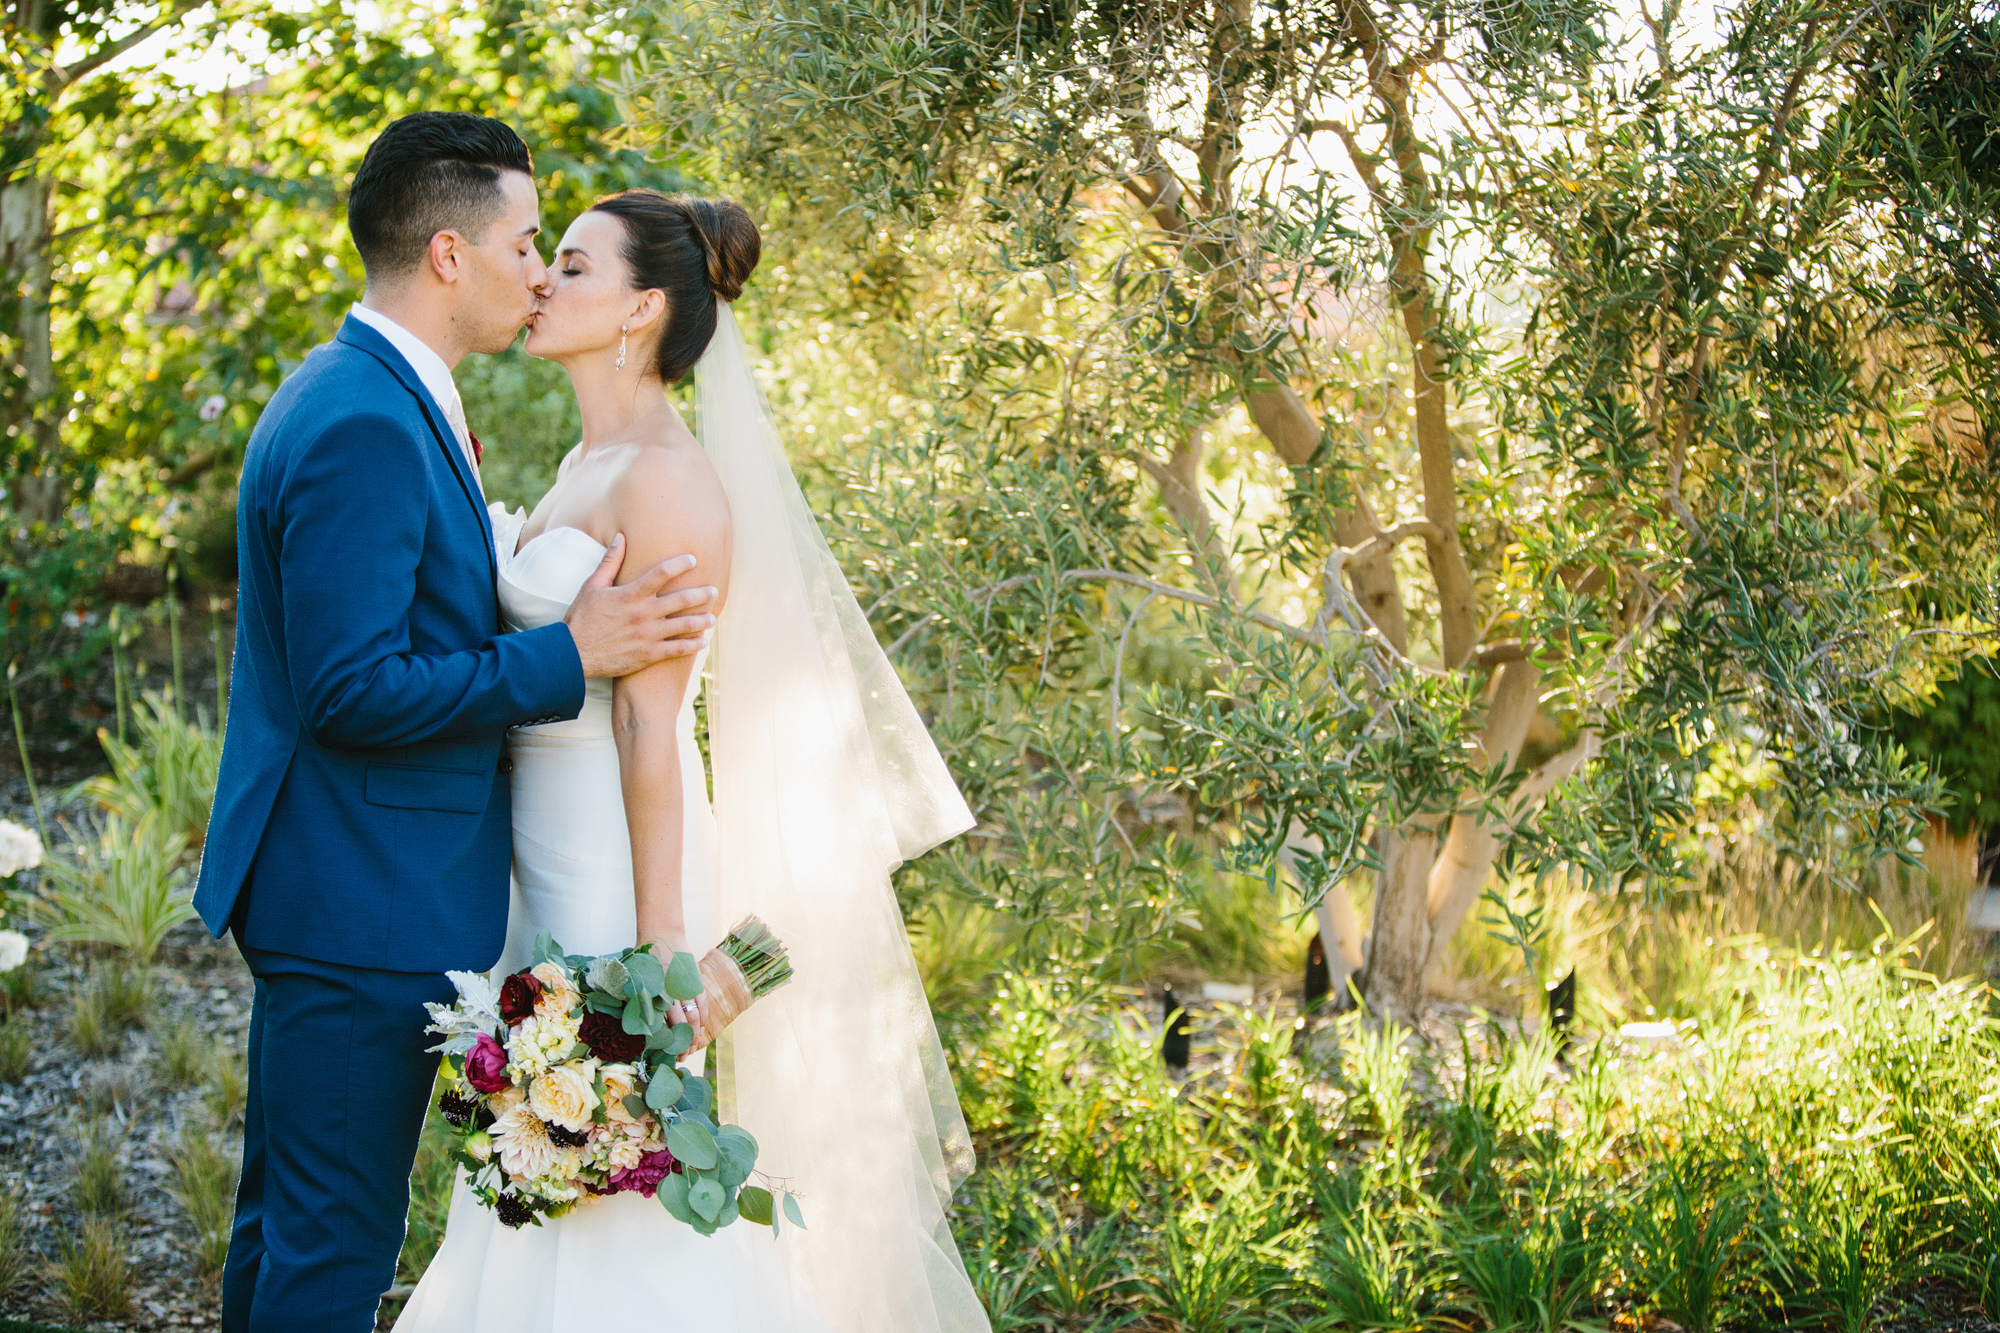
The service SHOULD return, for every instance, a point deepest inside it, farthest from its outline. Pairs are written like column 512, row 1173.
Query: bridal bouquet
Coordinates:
column 565, row 1089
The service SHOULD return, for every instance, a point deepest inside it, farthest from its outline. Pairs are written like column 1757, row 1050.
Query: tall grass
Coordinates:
column 205, row 1188
column 124, row 885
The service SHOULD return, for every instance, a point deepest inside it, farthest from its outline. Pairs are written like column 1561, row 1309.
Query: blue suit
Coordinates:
column 360, row 839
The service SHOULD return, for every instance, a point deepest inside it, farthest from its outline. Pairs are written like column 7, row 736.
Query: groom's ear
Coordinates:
column 444, row 257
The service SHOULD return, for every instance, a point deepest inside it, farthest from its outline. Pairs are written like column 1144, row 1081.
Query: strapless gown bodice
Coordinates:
column 621, row 1262
column 537, row 584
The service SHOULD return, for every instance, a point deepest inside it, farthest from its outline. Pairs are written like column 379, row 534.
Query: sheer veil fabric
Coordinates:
column 824, row 780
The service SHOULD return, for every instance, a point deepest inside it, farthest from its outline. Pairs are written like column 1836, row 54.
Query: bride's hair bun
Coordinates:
column 696, row 251
column 730, row 240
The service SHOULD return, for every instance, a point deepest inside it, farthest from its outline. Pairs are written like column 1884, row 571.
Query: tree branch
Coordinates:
column 62, row 77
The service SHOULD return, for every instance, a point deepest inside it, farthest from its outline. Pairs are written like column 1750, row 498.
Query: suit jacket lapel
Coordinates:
column 357, row 334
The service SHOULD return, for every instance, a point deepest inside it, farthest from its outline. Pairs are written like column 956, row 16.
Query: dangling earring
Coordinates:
column 621, row 348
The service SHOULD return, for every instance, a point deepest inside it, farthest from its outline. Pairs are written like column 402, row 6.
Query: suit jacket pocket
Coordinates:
column 428, row 789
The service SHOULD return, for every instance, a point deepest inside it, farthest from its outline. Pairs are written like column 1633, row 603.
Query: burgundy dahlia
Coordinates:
column 609, row 1041
column 518, row 994
column 646, row 1177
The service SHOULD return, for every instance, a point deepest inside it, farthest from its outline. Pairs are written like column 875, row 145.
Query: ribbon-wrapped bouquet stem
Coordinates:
column 565, row 1085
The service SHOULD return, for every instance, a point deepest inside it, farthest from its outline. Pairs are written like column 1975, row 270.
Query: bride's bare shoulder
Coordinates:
column 670, row 502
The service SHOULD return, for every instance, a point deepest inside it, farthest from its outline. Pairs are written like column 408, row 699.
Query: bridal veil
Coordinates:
column 824, row 780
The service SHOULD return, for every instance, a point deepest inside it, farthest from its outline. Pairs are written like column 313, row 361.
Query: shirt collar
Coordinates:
column 430, row 367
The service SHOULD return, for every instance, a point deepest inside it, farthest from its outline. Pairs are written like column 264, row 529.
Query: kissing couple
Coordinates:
column 453, row 728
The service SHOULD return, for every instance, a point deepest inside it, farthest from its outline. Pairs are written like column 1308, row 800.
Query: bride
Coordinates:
column 824, row 779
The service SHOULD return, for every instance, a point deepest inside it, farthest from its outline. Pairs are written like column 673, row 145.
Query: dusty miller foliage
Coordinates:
column 1702, row 321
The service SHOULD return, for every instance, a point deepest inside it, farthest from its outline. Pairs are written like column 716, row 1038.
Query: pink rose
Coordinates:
column 486, row 1064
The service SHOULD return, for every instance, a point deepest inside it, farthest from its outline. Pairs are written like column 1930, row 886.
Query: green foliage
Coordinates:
column 123, row 885
column 14, row 1260
column 93, row 1272
column 1954, row 730
column 430, row 1197
column 100, row 1189
column 186, row 1050
column 205, row 1188
column 107, row 999
column 168, row 773
column 226, row 1090
column 1184, row 350
column 195, row 250
column 17, row 1051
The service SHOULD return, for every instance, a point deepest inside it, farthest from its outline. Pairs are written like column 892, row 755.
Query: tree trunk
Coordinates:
column 24, row 262
column 1392, row 980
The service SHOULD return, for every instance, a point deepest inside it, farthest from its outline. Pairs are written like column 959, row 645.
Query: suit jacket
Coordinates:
column 362, row 815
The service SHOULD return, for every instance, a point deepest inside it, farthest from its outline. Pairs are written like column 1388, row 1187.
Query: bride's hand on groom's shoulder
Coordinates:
column 626, row 628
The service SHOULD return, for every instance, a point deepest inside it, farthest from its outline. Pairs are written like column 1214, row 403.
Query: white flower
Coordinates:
column 524, row 1145
column 13, row 950
column 213, row 406
column 20, row 849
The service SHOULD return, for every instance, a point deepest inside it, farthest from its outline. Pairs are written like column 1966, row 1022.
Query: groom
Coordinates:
column 360, row 841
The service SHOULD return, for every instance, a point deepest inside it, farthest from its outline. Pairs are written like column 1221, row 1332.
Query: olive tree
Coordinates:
column 1612, row 407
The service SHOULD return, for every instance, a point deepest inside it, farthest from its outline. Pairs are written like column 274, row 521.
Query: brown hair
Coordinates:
column 696, row 251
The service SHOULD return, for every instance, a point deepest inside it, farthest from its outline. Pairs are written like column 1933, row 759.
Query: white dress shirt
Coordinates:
column 431, row 369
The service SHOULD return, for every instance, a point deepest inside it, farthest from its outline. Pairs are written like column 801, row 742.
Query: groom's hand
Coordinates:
column 620, row 630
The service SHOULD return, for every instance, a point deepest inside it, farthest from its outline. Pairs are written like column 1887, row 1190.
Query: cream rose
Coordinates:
column 620, row 1082
column 565, row 1095
column 558, row 995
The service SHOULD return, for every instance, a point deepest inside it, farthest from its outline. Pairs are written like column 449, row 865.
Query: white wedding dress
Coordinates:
column 620, row 1262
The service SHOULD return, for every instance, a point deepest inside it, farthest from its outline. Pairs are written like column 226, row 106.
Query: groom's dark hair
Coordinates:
column 429, row 172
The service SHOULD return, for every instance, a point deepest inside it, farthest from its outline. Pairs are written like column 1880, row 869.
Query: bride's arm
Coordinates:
column 667, row 505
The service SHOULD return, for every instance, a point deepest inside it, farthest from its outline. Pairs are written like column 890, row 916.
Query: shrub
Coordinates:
column 92, row 1273
column 169, row 773
column 122, row 887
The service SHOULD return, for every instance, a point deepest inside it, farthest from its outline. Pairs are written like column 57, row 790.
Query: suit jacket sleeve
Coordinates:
column 350, row 532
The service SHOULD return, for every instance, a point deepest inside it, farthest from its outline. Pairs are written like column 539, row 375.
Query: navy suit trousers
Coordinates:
column 339, row 1083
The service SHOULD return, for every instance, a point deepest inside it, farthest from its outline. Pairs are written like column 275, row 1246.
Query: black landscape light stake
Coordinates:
column 1174, row 1046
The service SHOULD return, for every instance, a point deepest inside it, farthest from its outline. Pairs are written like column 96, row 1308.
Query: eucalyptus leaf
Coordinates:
column 754, row 1202
column 635, row 1105
column 663, row 1089
column 683, row 977
column 792, row 1214
column 645, row 975
column 698, row 1096
column 676, row 1039
column 737, row 1154
column 730, row 1211
column 546, row 949
column 692, row 1144
column 673, row 1196
column 705, row 1197
column 639, row 1017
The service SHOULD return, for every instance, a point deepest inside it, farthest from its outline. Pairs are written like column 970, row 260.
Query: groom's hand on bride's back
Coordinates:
column 623, row 629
